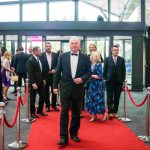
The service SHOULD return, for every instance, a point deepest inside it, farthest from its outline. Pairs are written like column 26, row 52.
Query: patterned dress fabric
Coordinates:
column 95, row 103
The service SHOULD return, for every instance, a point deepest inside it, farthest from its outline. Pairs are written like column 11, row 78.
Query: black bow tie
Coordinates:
column 74, row 54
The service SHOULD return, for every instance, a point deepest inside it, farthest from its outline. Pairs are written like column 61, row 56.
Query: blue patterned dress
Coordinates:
column 95, row 103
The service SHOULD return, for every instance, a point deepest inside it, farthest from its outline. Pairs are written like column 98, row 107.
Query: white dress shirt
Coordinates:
column 74, row 63
column 115, row 60
column 49, row 59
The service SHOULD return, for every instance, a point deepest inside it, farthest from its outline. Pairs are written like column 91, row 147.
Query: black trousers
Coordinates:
column 53, row 98
column 75, row 105
column 113, row 95
column 20, row 77
column 33, row 92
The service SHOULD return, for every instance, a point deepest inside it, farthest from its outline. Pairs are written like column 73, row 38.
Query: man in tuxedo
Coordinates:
column 73, row 70
column 36, row 82
column 49, row 61
column 114, row 74
column 20, row 61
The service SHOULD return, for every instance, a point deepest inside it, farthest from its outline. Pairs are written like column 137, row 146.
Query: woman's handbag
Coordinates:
column 14, row 78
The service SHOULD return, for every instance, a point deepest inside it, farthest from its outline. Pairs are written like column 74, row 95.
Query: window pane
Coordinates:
column 147, row 12
column 9, row 13
column 125, row 10
column 89, row 10
column 8, row 0
column 59, row 11
column 34, row 12
column 102, row 44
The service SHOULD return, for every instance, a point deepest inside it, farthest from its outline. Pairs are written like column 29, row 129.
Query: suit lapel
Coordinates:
column 68, row 63
column 52, row 60
column 46, row 61
column 79, row 65
column 36, row 64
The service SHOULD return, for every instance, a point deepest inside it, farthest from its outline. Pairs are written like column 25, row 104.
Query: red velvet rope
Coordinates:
column 133, row 101
column 16, row 114
column 25, row 97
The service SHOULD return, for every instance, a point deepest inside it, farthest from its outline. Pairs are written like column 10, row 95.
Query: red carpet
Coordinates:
column 109, row 135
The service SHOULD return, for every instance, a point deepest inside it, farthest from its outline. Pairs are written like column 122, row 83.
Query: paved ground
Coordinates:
column 137, row 114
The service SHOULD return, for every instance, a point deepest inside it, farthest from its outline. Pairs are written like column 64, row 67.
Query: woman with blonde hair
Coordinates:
column 6, row 73
column 95, row 103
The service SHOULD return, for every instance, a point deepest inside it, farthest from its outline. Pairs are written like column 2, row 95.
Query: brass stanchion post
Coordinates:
column 2, row 105
column 18, row 144
column 28, row 119
column 124, row 118
column 146, row 138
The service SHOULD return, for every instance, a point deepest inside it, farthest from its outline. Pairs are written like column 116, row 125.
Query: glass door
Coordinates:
column 125, row 44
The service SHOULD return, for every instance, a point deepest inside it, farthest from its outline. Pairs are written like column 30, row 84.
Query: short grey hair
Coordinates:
column 74, row 38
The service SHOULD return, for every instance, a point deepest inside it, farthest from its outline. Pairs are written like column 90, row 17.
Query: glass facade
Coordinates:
column 34, row 12
column 9, row 13
column 85, row 10
column 59, row 11
column 147, row 12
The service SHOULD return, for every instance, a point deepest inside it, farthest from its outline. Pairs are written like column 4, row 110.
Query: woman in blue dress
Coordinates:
column 95, row 103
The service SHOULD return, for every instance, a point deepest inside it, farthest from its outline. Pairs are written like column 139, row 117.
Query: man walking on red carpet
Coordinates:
column 72, row 71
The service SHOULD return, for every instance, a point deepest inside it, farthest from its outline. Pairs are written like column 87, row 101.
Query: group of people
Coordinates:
column 74, row 76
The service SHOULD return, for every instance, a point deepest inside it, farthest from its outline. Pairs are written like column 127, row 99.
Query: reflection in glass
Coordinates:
column 147, row 12
column 125, row 50
column 8, row 0
column 34, row 12
column 61, row 11
column 126, row 10
column 102, row 44
column 89, row 10
column 9, row 13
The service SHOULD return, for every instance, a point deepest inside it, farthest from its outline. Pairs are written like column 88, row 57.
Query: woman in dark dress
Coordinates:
column 95, row 103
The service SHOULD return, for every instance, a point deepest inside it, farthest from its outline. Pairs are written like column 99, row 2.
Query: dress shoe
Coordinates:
column 115, row 115
column 81, row 116
column 75, row 138
column 62, row 141
column 34, row 116
column 47, row 109
column 111, row 116
column 56, row 108
column 42, row 113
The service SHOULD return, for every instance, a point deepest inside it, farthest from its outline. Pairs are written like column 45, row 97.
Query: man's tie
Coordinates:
column 115, row 60
column 74, row 54
column 38, row 61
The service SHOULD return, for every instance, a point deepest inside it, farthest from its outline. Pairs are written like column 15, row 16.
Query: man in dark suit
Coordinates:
column 49, row 61
column 36, row 82
column 73, row 70
column 114, row 74
column 20, row 61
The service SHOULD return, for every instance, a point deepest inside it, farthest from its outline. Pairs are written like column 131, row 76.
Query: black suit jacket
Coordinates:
column 114, row 73
column 54, row 59
column 35, row 74
column 63, row 75
column 20, row 61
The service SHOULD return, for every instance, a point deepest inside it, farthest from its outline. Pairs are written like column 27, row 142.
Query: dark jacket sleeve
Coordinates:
column 105, row 69
column 30, row 71
column 87, row 75
column 57, row 75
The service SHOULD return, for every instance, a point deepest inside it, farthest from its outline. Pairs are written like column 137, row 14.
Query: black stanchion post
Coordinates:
column 28, row 119
column 124, row 118
column 146, row 138
column 18, row 144
column 2, row 105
